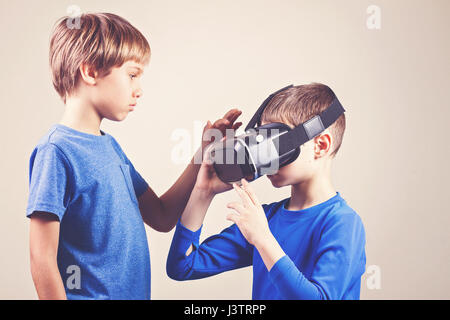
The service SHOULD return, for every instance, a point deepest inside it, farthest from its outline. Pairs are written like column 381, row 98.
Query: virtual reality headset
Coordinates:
column 265, row 149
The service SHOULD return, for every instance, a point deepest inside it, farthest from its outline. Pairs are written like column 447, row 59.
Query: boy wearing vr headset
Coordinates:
column 308, row 246
column 87, row 202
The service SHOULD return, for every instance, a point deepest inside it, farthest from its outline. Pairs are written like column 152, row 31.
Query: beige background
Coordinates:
column 208, row 56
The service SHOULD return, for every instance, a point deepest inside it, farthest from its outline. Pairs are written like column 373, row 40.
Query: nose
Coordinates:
column 137, row 93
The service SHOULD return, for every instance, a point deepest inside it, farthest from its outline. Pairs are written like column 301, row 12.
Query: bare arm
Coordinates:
column 44, row 237
column 206, row 187
column 196, row 208
column 162, row 213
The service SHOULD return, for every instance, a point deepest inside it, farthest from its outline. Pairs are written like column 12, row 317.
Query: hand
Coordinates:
column 250, row 217
column 207, row 180
column 227, row 122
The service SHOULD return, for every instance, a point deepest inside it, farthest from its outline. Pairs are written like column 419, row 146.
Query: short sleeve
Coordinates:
column 139, row 183
column 49, row 187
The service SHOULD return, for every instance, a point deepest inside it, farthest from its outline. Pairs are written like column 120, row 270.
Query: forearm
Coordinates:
column 227, row 250
column 195, row 211
column 196, row 208
column 47, row 280
column 269, row 250
column 191, row 221
column 174, row 200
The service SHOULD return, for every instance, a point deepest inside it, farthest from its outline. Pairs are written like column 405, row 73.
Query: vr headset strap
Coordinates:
column 256, row 119
column 311, row 128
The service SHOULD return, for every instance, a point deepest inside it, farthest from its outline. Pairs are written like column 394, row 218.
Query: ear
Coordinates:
column 88, row 74
column 322, row 144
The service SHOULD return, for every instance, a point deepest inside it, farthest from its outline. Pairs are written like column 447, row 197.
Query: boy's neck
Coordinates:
column 311, row 192
column 81, row 116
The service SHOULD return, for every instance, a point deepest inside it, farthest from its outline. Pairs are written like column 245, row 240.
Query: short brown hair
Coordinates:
column 299, row 104
column 101, row 40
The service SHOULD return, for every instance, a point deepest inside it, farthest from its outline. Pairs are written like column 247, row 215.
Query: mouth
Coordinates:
column 131, row 106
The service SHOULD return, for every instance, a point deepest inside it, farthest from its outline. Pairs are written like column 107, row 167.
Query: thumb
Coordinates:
column 205, row 170
column 207, row 152
column 207, row 161
column 207, row 126
column 233, row 217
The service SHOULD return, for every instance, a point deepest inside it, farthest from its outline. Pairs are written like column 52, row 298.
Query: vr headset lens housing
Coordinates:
column 252, row 154
column 265, row 149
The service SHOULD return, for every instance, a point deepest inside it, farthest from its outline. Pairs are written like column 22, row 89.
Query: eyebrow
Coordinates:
column 140, row 71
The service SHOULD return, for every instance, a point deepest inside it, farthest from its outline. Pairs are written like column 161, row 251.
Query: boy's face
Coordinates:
column 116, row 94
column 308, row 163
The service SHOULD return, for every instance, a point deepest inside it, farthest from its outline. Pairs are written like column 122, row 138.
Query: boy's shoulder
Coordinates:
column 67, row 140
column 76, row 148
column 52, row 139
column 340, row 216
column 341, row 210
column 333, row 210
column 56, row 137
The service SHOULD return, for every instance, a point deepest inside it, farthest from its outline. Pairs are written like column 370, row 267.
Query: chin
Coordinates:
column 277, row 181
column 118, row 117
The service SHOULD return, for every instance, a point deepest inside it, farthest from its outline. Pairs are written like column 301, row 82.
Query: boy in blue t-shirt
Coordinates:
column 87, row 203
column 308, row 246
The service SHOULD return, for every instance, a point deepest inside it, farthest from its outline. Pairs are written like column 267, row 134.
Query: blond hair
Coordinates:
column 299, row 104
column 101, row 40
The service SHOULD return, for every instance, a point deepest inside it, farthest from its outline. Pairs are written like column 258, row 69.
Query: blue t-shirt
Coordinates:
column 90, row 185
column 324, row 246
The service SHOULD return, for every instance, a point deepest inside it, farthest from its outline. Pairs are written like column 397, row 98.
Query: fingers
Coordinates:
column 235, row 116
column 243, row 195
column 206, row 155
column 222, row 123
column 236, row 206
column 227, row 122
column 233, row 217
column 208, row 149
column 236, row 125
column 232, row 115
column 207, row 160
column 239, row 210
column 207, row 126
column 249, row 190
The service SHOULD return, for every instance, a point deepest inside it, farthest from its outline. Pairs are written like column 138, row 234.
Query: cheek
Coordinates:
column 307, row 151
column 114, row 87
column 300, row 168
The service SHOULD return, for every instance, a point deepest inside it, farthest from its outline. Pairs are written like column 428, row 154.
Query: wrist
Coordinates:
column 195, row 211
column 265, row 240
column 269, row 250
column 204, row 194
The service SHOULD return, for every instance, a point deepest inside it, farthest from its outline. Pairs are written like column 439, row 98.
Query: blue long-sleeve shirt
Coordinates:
column 324, row 246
